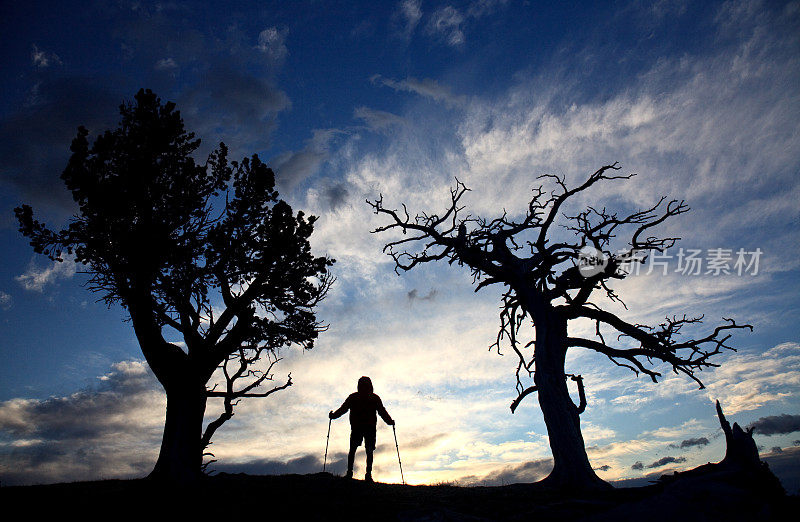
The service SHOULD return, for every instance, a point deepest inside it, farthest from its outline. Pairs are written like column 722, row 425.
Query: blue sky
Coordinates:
column 349, row 100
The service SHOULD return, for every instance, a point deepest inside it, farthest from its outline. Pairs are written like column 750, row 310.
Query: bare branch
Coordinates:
column 685, row 356
column 522, row 395
column 581, row 393
column 558, row 200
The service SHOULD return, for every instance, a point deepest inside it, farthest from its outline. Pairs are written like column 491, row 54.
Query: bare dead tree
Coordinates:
column 548, row 283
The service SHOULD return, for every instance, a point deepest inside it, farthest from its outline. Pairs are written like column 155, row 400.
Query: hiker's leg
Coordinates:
column 369, row 445
column 351, row 457
column 355, row 442
column 369, row 462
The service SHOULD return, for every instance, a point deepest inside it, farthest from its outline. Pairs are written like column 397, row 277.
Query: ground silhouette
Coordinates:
column 739, row 487
column 705, row 495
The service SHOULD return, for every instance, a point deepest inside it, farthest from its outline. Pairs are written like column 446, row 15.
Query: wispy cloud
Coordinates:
column 449, row 23
column 674, row 124
column 748, row 381
column 42, row 58
column 294, row 167
column 409, row 12
column 272, row 43
column 427, row 88
column 37, row 278
column 743, row 382
column 6, row 301
column 166, row 64
column 378, row 121
column 673, row 432
column 697, row 126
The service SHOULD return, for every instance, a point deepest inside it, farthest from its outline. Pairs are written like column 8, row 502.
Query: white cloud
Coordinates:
column 166, row 64
column 36, row 278
column 449, row 23
column 662, row 128
column 742, row 382
column 272, row 42
column 593, row 433
column 696, row 128
column 433, row 372
column 446, row 22
column 6, row 301
column 619, row 449
column 42, row 59
column 426, row 88
column 293, row 167
column 110, row 431
column 747, row 381
column 378, row 121
column 410, row 13
column 676, row 432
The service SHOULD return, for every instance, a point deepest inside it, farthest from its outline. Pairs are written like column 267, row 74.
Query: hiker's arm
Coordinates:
column 384, row 414
column 341, row 411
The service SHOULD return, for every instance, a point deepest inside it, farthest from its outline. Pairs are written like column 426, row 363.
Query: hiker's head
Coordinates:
column 364, row 385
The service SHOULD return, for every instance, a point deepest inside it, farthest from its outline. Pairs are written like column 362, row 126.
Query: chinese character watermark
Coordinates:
column 690, row 261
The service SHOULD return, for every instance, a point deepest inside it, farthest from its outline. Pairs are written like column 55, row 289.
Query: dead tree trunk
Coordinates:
column 741, row 450
column 741, row 467
column 571, row 466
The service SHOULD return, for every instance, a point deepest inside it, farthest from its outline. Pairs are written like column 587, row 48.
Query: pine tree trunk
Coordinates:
column 184, row 380
column 571, row 467
column 181, row 455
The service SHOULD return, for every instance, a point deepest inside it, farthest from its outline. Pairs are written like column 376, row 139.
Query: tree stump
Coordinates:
column 741, row 450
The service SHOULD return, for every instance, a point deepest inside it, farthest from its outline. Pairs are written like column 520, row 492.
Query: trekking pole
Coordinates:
column 398, row 454
column 325, row 462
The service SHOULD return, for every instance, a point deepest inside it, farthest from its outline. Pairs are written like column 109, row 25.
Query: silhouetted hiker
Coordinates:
column 363, row 405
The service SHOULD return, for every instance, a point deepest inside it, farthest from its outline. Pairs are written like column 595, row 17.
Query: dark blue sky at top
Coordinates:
column 101, row 53
column 108, row 51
